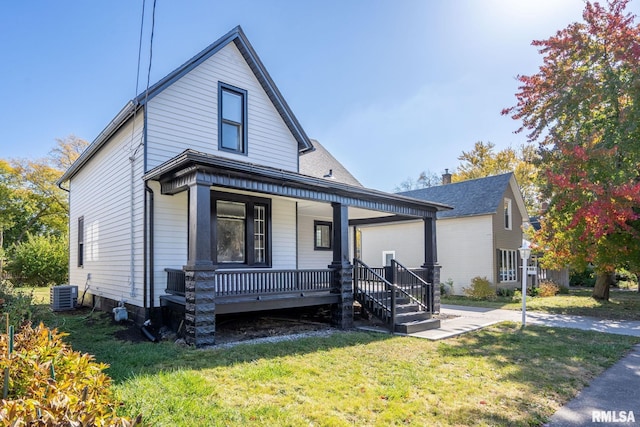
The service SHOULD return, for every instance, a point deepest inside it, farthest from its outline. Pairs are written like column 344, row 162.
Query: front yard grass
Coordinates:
column 622, row 305
column 501, row 375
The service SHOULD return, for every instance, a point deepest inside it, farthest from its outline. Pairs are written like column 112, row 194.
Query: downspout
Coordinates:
column 132, row 292
column 148, row 248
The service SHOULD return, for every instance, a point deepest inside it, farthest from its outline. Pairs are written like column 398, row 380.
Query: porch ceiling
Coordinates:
column 192, row 167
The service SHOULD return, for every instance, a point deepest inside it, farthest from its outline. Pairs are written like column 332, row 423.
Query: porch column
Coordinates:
column 431, row 260
column 200, row 308
column 341, row 313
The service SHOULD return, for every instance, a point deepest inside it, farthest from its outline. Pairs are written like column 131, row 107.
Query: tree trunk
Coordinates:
column 603, row 283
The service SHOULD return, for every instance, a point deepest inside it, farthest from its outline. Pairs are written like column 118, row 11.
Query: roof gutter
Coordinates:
column 127, row 111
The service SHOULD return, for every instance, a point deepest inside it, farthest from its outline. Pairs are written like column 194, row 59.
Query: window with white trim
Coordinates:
column 508, row 215
column 508, row 265
column 387, row 256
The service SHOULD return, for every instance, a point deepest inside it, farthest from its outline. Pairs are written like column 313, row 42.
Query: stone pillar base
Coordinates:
column 342, row 313
column 200, row 308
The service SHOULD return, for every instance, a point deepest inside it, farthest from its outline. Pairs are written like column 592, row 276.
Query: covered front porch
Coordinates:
column 214, row 282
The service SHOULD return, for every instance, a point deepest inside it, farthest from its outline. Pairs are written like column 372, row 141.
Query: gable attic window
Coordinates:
column 507, row 214
column 232, row 117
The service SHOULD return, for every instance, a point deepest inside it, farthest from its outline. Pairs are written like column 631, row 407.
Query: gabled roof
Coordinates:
column 320, row 163
column 236, row 36
column 480, row 196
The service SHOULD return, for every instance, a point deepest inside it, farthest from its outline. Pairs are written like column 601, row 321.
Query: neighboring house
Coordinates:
column 479, row 237
column 559, row 277
column 194, row 198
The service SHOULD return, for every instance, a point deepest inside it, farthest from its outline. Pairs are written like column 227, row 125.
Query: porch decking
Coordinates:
column 244, row 291
column 401, row 297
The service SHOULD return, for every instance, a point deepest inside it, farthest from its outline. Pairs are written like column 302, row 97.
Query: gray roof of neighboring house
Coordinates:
column 473, row 197
column 237, row 36
column 319, row 163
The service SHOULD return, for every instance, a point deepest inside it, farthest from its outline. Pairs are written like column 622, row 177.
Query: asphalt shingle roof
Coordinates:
column 473, row 197
column 319, row 162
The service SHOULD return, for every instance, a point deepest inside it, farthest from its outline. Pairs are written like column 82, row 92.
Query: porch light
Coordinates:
column 525, row 251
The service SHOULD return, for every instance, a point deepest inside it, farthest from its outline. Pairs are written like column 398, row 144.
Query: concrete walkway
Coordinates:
column 612, row 399
column 472, row 318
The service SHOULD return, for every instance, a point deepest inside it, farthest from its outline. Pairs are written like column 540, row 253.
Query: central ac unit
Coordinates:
column 64, row 297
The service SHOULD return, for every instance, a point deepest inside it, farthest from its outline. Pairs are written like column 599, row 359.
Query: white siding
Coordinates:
column 465, row 247
column 465, row 250
column 101, row 193
column 308, row 257
column 170, row 222
column 283, row 238
column 185, row 115
column 406, row 239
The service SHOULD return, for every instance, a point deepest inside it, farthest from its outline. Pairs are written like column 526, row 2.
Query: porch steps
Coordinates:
column 417, row 326
column 409, row 318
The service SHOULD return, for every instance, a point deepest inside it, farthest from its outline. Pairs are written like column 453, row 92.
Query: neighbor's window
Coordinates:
column 507, row 214
column 242, row 231
column 232, row 115
column 322, row 235
column 508, row 267
column 81, row 241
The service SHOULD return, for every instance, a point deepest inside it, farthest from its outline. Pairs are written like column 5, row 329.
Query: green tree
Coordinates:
column 40, row 260
column 483, row 161
column 30, row 201
column 583, row 108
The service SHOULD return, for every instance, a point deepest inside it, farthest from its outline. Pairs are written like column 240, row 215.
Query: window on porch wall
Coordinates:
column 242, row 231
column 231, row 231
column 260, row 233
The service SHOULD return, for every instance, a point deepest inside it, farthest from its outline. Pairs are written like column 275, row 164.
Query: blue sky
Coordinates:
column 390, row 87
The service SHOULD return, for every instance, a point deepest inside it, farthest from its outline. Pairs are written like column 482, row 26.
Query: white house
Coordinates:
column 479, row 237
column 193, row 199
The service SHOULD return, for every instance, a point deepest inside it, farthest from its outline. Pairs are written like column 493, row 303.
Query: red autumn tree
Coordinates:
column 583, row 108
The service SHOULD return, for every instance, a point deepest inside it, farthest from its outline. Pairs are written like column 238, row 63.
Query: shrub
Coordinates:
column 505, row 292
column 481, row 288
column 563, row 290
column 18, row 305
column 51, row 384
column 626, row 279
column 39, row 261
column 446, row 288
column 548, row 289
column 583, row 278
column 517, row 296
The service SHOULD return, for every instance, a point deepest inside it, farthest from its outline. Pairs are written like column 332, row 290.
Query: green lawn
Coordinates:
column 623, row 304
column 501, row 375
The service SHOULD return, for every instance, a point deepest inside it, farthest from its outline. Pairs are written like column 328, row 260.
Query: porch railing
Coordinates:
column 375, row 292
column 175, row 281
column 272, row 281
column 382, row 290
column 413, row 285
column 255, row 282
